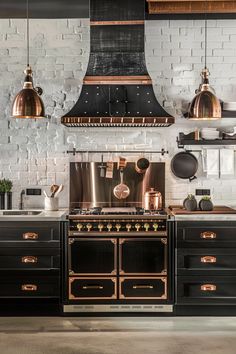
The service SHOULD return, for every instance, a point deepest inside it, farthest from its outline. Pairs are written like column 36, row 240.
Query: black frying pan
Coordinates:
column 184, row 165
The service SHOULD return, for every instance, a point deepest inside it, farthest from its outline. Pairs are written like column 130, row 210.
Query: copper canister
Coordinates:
column 152, row 200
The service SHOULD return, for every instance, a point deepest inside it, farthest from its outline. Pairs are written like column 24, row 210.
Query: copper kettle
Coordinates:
column 152, row 200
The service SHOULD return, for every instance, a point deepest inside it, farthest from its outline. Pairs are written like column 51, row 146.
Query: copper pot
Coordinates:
column 152, row 200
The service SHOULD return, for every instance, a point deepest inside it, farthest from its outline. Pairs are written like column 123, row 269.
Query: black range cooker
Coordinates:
column 118, row 261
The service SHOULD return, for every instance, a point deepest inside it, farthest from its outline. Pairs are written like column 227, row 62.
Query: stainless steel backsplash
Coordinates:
column 88, row 189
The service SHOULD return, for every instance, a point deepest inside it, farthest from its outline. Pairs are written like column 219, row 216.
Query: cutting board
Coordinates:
column 179, row 210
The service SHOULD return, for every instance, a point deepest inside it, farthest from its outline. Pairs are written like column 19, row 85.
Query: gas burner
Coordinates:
column 117, row 211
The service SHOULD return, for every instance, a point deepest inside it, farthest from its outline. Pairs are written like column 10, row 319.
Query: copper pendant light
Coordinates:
column 205, row 105
column 28, row 103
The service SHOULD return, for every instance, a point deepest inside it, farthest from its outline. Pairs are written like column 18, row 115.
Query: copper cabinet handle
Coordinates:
column 208, row 259
column 100, row 287
column 29, row 259
column 208, row 235
column 29, row 287
column 30, row 236
column 208, row 287
column 142, row 286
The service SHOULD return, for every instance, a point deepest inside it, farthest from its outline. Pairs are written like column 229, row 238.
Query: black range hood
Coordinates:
column 117, row 89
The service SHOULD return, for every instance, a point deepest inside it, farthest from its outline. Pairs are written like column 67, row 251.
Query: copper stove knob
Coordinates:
column 137, row 227
column 100, row 227
column 146, row 226
column 118, row 226
column 109, row 227
column 79, row 227
column 128, row 227
column 89, row 227
column 155, row 226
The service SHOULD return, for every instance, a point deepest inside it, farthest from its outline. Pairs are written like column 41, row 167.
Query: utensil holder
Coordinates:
column 51, row 203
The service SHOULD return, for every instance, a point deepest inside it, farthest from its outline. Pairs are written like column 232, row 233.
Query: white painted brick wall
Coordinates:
column 33, row 153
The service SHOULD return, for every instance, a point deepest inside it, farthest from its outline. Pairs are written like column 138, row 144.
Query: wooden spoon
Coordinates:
column 54, row 188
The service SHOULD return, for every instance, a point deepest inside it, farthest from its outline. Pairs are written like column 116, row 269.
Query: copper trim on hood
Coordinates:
column 118, row 121
column 117, row 90
column 116, row 80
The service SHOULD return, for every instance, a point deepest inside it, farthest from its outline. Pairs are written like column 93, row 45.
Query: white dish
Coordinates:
column 229, row 106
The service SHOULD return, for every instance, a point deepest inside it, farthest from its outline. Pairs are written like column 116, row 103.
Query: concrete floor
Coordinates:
column 182, row 335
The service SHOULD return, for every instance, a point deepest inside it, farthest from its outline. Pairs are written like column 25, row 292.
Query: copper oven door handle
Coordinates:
column 30, row 236
column 209, row 235
column 142, row 286
column 208, row 259
column 29, row 287
column 86, row 287
column 29, row 259
column 208, row 287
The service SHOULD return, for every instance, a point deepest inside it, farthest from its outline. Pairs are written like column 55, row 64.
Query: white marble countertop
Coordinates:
column 205, row 217
column 44, row 215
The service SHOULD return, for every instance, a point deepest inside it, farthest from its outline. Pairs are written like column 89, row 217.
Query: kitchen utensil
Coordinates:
column 45, row 193
column 184, row 165
column 121, row 163
column 142, row 165
column 121, row 191
column 54, row 188
column 59, row 190
column 152, row 200
column 109, row 169
column 102, row 168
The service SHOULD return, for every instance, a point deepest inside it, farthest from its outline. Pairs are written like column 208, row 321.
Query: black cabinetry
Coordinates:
column 206, row 263
column 30, row 259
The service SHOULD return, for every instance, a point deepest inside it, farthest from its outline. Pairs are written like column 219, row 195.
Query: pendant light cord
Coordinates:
column 27, row 29
column 205, row 34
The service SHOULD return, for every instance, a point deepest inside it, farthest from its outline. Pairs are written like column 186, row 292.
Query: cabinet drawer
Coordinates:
column 93, row 256
column 206, row 261
column 143, row 288
column 205, row 233
column 208, row 290
column 29, row 258
column 29, row 232
column 92, row 288
column 29, row 286
column 143, row 256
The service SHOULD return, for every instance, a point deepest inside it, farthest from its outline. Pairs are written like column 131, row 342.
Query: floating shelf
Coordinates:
column 186, row 140
column 183, row 142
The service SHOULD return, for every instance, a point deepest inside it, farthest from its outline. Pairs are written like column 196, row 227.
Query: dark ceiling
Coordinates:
column 45, row 8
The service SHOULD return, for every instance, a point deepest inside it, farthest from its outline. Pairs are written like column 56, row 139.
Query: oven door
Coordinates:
column 92, row 256
column 143, row 256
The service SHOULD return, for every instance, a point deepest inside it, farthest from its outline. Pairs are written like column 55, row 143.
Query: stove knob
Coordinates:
column 128, row 227
column 146, row 226
column 79, row 227
column 118, row 226
column 89, row 227
column 109, row 227
column 137, row 227
column 100, row 227
column 155, row 226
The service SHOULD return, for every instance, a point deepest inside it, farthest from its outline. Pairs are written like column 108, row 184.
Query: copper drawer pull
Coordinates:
column 92, row 287
column 29, row 287
column 29, row 259
column 208, row 259
column 208, row 287
column 143, row 287
column 30, row 236
column 208, row 235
